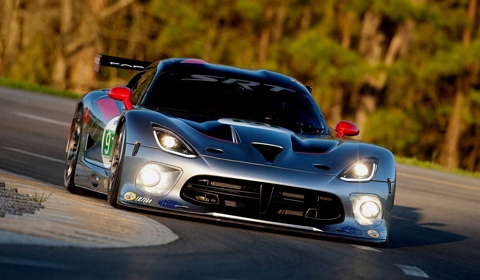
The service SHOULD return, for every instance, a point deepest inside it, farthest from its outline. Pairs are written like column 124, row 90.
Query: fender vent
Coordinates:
column 90, row 142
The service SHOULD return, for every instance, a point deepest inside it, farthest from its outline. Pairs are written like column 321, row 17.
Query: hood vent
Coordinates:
column 321, row 166
column 215, row 130
column 268, row 151
column 215, row 150
column 312, row 145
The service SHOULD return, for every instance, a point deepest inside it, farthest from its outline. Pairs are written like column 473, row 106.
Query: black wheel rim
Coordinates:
column 72, row 148
column 117, row 153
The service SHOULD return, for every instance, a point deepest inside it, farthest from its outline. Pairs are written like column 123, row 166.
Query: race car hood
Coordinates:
column 265, row 144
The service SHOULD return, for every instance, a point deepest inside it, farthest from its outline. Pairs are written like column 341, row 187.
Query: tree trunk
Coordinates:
column 10, row 36
column 449, row 156
column 277, row 31
column 344, row 20
column 59, row 71
column 306, row 20
column 84, row 47
column 371, row 48
column 265, row 37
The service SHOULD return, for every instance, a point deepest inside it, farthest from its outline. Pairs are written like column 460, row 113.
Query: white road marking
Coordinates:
column 366, row 248
column 34, row 155
column 412, row 271
column 25, row 262
column 42, row 119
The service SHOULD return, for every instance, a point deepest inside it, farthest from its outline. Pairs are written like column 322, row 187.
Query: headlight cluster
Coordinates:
column 367, row 209
column 171, row 143
column 157, row 179
column 361, row 171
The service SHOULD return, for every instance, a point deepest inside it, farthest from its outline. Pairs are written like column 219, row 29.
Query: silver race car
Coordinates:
column 213, row 141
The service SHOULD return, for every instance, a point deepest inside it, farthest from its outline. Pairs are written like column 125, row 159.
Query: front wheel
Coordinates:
column 73, row 147
column 114, row 179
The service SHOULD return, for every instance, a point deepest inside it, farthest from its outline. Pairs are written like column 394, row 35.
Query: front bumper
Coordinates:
column 334, row 191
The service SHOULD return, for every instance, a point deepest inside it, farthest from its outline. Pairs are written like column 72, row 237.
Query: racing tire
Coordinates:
column 72, row 151
column 114, row 178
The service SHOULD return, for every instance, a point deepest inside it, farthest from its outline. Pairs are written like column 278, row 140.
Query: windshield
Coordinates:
column 203, row 98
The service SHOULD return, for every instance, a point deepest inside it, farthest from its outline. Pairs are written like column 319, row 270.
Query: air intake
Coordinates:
column 268, row 151
column 259, row 200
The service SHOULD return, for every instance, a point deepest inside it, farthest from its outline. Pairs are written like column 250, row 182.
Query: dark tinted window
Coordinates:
column 132, row 84
column 206, row 97
column 142, row 85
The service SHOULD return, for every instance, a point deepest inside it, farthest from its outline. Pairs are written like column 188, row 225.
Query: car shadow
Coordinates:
column 407, row 231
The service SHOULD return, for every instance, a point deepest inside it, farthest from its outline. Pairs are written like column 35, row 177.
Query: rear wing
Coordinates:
column 118, row 62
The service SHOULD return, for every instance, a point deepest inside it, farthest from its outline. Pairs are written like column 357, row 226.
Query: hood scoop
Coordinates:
column 312, row 145
column 268, row 151
column 215, row 130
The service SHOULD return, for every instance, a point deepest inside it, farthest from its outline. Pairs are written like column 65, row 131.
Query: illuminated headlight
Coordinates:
column 360, row 171
column 370, row 209
column 157, row 179
column 367, row 209
column 149, row 176
column 171, row 143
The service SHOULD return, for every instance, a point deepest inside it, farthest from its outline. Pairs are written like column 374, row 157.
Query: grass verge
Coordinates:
column 38, row 88
column 435, row 166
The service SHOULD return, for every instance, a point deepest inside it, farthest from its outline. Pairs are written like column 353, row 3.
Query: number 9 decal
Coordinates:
column 107, row 141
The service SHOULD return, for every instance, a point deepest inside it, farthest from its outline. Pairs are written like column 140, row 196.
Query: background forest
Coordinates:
column 406, row 71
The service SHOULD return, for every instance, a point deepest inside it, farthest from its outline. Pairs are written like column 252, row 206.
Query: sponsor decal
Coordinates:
column 373, row 233
column 352, row 230
column 129, row 196
column 243, row 83
column 170, row 204
column 143, row 199
column 255, row 123
column 133, row 66
column 107, row 141
column 246, row 123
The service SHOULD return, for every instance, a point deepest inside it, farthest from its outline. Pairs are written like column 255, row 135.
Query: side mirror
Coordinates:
column 345, row 128
column 123, row 94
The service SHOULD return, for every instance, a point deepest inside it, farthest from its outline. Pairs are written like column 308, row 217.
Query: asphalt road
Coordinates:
column 435, row 230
